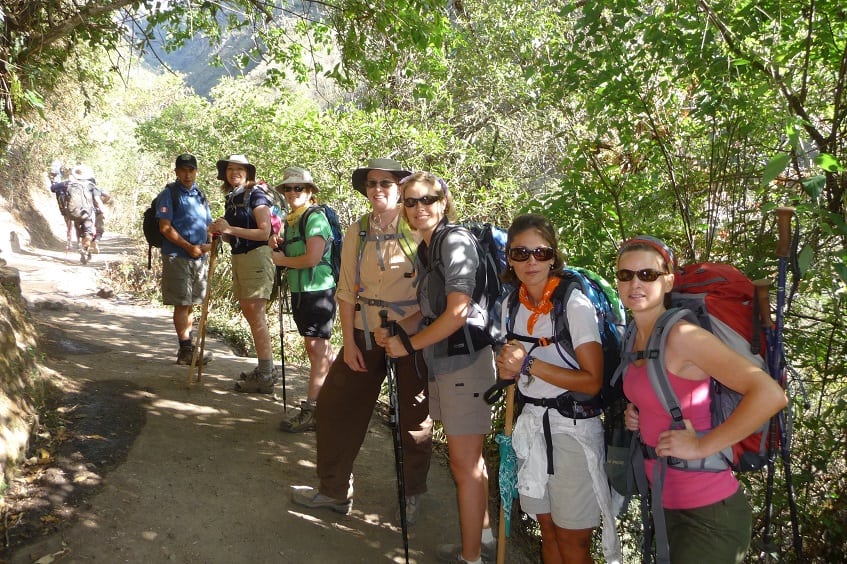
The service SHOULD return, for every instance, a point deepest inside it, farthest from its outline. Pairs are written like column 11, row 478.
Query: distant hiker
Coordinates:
column 706, row 513
column 183, row 214
column 376, row 275
column 566, row 438
column 458, row 381
column 59, row 176
column 83, row 201
column 100, row 216
column 246, row 225
column 311, row 282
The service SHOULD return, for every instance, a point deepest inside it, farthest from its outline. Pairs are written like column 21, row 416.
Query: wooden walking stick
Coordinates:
column 200, row 345
column 507, row 431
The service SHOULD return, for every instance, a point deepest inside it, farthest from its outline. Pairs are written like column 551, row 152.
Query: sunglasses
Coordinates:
column 425, row 200
column 293, row 188
column 645, row 274
column 385, row 183
column 541, row 254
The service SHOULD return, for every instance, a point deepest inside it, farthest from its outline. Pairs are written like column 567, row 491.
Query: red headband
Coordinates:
column 656, row 244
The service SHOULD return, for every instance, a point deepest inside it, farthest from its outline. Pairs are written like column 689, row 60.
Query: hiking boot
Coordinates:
column 302, row 421
column 413, row 506
column 260, row 385
column 185, row 355
column 453, row 552
column 310, row 497
column 253, row 374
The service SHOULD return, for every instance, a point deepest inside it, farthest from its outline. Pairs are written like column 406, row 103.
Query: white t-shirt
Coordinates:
column 582, row 320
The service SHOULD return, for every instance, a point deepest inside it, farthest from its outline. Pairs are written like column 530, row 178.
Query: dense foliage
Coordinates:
column 688, row 120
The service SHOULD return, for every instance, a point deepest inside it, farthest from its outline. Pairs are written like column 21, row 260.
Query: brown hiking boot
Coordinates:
column 185, row 355
column 300, row 422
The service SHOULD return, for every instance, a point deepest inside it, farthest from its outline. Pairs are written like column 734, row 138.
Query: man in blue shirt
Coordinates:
column 184, row 215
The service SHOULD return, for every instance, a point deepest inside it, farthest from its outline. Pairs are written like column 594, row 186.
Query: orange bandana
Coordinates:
column 545, row 306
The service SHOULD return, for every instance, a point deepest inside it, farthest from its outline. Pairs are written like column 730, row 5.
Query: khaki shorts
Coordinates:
column 570, row 499
column 183, row 280
column 456, row 399
column 253, row 274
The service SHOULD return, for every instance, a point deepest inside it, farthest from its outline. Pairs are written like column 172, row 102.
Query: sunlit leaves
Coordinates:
column 774, row 167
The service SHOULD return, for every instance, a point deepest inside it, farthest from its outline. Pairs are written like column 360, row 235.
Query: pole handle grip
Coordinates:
column 783, row 219
column 763, row 298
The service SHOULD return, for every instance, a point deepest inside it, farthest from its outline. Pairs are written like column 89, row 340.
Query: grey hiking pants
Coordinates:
column 345, row 405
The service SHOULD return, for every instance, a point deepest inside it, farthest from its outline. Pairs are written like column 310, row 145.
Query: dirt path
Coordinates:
column 155, row 471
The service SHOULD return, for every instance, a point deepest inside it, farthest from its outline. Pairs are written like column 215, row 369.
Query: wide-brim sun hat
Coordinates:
column 360, row 175
column 82, row 172
column 296, row 175
column 236, row 159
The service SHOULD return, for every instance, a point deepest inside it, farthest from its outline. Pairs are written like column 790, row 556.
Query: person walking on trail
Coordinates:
column 707, row 516
column 304, row 250
column 100, row 216
column 58, row 179
column 376, row 274
column 569, row 502
column 457, row 382
column 184, row 216
column 83, row 202
column 246, row 225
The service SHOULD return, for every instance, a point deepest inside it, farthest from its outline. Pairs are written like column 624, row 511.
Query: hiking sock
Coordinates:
column 184, row 344
column 311, row 403
column 266, row 368
column 487, row 536
column 477, row 561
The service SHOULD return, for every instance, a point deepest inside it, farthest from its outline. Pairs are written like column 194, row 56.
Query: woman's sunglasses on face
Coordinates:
column 293, row 188
column 385, row 183
column 541, row 254
column 427, row 200
column 645, row 274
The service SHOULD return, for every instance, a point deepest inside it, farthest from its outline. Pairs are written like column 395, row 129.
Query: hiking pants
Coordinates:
column 345, row 405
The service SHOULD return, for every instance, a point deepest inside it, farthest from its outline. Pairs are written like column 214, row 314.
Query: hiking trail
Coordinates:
column 152, row 470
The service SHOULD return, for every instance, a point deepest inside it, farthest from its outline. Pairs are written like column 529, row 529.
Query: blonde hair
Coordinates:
column 434, row 183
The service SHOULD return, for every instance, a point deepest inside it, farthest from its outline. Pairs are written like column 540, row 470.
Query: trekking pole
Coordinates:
column 783, row 251
column 763, row 306
column 394, row 404
column 201, row 336
column 507, row 432
column 283, row 308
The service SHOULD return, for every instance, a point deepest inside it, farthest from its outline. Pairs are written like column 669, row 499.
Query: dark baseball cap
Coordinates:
column 186, row 159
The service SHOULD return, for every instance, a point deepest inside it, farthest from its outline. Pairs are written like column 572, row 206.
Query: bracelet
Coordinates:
column 527, row 365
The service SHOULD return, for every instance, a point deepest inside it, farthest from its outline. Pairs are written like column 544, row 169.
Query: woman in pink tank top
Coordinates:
column 707, row 514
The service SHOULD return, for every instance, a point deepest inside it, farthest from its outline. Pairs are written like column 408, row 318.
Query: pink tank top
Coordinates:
column 683, row 489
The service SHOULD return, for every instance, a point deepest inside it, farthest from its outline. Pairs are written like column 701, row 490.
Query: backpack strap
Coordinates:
column 406, row 242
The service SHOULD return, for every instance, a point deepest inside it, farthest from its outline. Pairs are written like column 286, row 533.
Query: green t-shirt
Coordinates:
column 316, row 278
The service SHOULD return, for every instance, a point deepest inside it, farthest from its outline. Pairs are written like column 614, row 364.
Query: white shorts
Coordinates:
column 570, row 497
